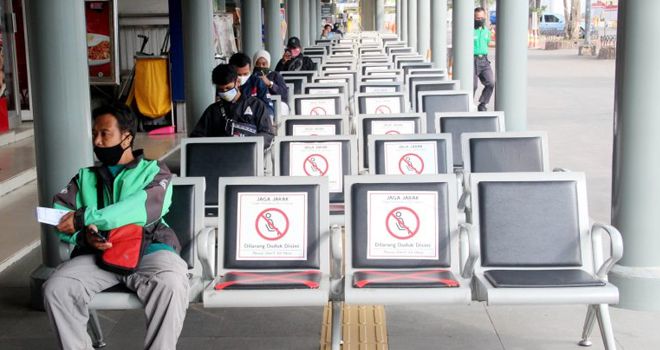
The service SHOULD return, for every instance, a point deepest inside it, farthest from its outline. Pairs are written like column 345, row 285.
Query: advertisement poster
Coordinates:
column 410, row 158
column 272, row 226
column 318, row 159
column 402, row 225
column 101, row 22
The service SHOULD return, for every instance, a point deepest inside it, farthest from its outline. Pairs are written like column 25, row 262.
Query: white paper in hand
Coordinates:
column 50, row 216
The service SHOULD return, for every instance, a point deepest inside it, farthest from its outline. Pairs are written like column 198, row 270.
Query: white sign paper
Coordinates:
column 411, row 158
column 380, row 89
column 50, row 216
column 336, row 69
column 318, row 159
column 323, row 91
column 392, row 127
column 402, row 225
column 272, row 226
column 314, row 130
column 332, row 80
column 382, row 105
column 317, row 106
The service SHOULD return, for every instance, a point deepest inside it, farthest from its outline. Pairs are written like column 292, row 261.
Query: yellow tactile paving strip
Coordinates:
column 363, row 327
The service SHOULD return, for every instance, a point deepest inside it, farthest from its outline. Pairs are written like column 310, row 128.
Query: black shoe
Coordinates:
column 482, row 107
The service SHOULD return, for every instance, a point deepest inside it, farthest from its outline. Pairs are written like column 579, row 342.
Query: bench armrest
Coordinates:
column 467, row 233
column 206, row 240
column 616, row 248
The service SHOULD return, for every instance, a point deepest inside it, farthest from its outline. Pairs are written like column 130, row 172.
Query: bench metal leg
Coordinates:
column 336, row 325
column 97, row 332
column 605, row 324
column 588, row 326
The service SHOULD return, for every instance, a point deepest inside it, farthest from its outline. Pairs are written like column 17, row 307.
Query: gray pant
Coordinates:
column 484, row 72
column 160, row 283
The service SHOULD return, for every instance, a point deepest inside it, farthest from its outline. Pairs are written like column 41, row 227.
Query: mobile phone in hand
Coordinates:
column 98, row 235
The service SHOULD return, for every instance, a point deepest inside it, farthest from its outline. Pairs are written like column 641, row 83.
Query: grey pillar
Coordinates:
column 293, row 17
column 62, row 118
column 273, row 38
column 304, row 23
column 636, row 166
column 439, row 33
column 463, row 43
column 251, row 26
column 404, row 20
column 587, row 22
column 319, row 20
column 198, row 58
column 380, row 15
column 423, row 26
column 221, row 5
column 314, row 31
column 511, row 62
column 412, row 24
column 398, row 18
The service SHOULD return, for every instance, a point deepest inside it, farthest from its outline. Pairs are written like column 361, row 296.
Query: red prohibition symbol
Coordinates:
column 392, row 132
column 402, row 223
column 383, row 110
column 411, row 163
column 272, row 224
column 318, row 111
column 315, row 165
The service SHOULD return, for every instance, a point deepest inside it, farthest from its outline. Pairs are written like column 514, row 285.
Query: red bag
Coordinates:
column 128, row 246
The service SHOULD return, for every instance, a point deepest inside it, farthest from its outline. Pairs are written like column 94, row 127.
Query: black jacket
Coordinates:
column 279, row 86
column 295, row 64
column 246, row 117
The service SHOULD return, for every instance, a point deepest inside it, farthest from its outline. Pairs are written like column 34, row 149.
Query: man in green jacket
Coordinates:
column 482, row 68
column 135, row 191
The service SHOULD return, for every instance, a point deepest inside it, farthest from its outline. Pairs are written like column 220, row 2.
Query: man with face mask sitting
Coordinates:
column 251, row 85
column 236, row 114
column 133, row 191
column 298, row 61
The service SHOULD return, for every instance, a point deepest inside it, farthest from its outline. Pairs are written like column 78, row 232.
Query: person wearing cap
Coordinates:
column 272, row 79
column 236, row 114
column 251, row 85
column 298, row 61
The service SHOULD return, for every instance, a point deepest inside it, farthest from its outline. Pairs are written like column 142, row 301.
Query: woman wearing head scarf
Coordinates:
column 272, row 79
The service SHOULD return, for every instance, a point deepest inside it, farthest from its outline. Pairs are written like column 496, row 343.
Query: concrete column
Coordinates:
column 251, row 26
column 319, row 20
column 412, row 24
column 404, row 20
column 273, row 40
column 439, row 33
column 293, row 17
column 463, row 43
column 511, row 62
column 380, row 15
column 314, row 31
column 423, row 26
column 198, row 58
column 304, row 23
column 221, row 5
column 636, row 166
column 62, row 117
column 398, row 18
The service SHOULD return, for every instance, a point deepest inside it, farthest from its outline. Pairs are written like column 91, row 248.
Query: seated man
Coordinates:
column 236, row 114
column 137, row 191
column 298, row 61
column 251, row 85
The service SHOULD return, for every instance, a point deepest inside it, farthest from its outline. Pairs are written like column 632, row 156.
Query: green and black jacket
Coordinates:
column 139, row 194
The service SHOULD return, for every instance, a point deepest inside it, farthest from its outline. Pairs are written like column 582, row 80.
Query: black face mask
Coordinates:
column 478, row 23
column 110, row 155
column 262, row 71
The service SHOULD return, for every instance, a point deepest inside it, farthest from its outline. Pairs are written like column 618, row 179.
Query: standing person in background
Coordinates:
column 482, row 68
column 272, row 79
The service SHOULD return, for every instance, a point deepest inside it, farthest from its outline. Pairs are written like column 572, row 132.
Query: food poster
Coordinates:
column 101, row 55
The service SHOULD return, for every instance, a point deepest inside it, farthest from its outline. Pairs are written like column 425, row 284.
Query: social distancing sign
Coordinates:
column 410, row 158
column 382, row 105
column 318, row 159
column 317, row 106
column 323, row 91
column 272, row 226
column 380, row 89
column 402, row 225
column 392, row 127
column 314, row 130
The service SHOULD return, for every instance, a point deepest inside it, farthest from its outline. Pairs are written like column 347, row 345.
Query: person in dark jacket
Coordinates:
column 298, row 61
column 137, row 191
column 273, row 79
column 236, row 114
column 250, row 84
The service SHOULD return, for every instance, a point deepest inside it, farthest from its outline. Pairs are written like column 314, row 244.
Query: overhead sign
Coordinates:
column 317, row 106
column 402, row 225
column 318, row 159
column 411, row 158
column 382, row 105
column 272, row 226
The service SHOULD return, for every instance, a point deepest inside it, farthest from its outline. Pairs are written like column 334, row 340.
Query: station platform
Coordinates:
column 569, row 96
